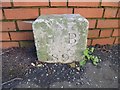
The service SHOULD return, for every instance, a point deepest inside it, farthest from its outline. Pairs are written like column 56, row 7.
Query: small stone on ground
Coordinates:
column 105, row 75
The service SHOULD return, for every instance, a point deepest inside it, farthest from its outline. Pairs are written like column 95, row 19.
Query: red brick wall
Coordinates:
column 103, row 18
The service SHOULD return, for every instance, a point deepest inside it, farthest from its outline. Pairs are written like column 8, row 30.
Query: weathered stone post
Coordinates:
column 60, row 38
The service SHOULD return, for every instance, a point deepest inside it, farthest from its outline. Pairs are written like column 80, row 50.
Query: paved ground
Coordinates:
column 105, row 75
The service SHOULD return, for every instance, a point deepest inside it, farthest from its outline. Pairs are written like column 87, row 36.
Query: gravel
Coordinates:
column 19, row 60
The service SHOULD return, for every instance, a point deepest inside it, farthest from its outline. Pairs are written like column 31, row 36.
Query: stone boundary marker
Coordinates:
column 60, row 38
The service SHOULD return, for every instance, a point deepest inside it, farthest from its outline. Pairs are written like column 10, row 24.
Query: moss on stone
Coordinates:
column 26, row 43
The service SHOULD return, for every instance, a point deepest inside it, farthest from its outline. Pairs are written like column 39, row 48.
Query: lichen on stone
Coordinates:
column 60, row 38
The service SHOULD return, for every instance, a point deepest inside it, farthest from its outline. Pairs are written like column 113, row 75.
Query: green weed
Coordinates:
column 88, row 55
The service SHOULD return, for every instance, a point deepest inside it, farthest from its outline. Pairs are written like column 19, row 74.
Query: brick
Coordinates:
column 4, row 36
column 118, row 14
column 0, row 26
column 93, row 33
column 116, row 32
column 92, row 23
column 1, row 14
column 56, row 11
column 88, row 42
column 0, row 4
column 6, row 4
column 107, row 24
column 106, row 33
column 117, row 41
column 81, row 3
column 89, row 12
column 58, row 2
column 103, row 41
column 24, row 26
column 21, row 35
column 8, row 26
column 31, row 3
column 113, row 4
column 110, row 12
column 21, row 13
column 9, row 44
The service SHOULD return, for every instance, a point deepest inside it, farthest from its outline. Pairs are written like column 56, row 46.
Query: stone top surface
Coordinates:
column 67, row 16
column 60, row 38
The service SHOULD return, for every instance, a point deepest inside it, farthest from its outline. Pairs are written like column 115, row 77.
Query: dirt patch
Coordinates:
column 16, row 61
column 17, row 64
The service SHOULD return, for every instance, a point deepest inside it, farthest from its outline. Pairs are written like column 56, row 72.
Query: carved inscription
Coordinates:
column 72, row 38
column 60, row 38
column 72, row 41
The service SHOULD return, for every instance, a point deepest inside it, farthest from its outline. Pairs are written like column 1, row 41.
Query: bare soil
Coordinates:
column 17, row 71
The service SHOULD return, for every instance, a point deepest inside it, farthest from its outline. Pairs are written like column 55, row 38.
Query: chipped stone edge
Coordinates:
column 37, row 20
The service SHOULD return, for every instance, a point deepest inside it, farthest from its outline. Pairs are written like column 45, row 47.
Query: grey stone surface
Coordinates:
column 60, row 38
